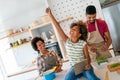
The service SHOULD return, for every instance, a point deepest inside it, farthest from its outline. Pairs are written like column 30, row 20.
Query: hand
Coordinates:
column 104, row 47
column 58, row 69
column 87, row 67
column 93, row 49
column 48, row 11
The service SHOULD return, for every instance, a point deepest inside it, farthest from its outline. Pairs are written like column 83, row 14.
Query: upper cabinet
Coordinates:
column 106, row 3
column 45, row 31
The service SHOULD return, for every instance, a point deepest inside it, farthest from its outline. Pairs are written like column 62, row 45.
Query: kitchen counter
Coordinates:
column 29, row 68
column 101, row 69
column 23, row 69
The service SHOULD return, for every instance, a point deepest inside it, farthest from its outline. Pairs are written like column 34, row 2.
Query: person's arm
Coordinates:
column 59, row 62
column 107, row 36
column 87, row 57
column 61, row 32
column 108, row 41
column 40, row 65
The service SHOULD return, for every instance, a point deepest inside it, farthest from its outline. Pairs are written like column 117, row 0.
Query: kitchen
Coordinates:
column 26, row 14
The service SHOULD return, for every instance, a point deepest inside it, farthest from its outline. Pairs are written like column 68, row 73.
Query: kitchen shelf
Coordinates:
column 19, row 45
column 105, row 4
column 18, row 33
column 15, row 34
column 4, row 37
column 41, row 25
column 27, row 30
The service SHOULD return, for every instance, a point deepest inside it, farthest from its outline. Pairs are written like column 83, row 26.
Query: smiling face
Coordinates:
column 78, row 31
column 40, row 46
column 91, row 17
column 75, row 32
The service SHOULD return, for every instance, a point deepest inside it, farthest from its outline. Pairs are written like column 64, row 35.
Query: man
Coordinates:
column 99, row 38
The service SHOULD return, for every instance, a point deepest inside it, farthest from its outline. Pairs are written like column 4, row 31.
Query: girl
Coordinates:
column 76, row 48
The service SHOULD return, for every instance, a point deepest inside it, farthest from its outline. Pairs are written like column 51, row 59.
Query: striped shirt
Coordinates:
column 75, row 51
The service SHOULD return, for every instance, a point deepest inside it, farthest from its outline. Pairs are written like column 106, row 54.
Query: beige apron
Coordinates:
column 96, row 40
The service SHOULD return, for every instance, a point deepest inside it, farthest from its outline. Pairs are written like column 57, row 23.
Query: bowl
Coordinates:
column 49, row 76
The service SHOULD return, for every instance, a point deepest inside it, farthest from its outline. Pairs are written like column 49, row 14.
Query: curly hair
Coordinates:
column 83, row 29
column 34, row 41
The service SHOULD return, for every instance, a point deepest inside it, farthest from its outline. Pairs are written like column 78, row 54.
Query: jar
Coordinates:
column 19, row 41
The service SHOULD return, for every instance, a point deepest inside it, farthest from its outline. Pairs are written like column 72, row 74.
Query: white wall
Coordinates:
column 15, row 14
column 20, row 13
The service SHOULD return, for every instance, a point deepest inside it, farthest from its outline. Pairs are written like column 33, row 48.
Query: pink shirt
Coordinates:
column 102, row 27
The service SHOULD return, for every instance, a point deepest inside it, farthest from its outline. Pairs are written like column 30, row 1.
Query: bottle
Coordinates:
column 19, row 41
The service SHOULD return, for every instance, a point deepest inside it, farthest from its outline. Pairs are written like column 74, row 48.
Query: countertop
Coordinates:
column 23, row 69
column 101, row 70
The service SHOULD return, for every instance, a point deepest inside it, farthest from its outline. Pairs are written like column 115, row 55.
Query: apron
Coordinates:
column 50, row 62
column 95, row 39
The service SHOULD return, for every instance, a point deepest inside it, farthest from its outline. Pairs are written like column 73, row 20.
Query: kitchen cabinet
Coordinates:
column 106, row 3
column 111, row 13
column 45, row 31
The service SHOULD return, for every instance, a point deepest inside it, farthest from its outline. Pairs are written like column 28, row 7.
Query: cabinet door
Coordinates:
column 44, row 31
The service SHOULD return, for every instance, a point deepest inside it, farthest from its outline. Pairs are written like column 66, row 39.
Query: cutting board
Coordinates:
column 114, row 66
